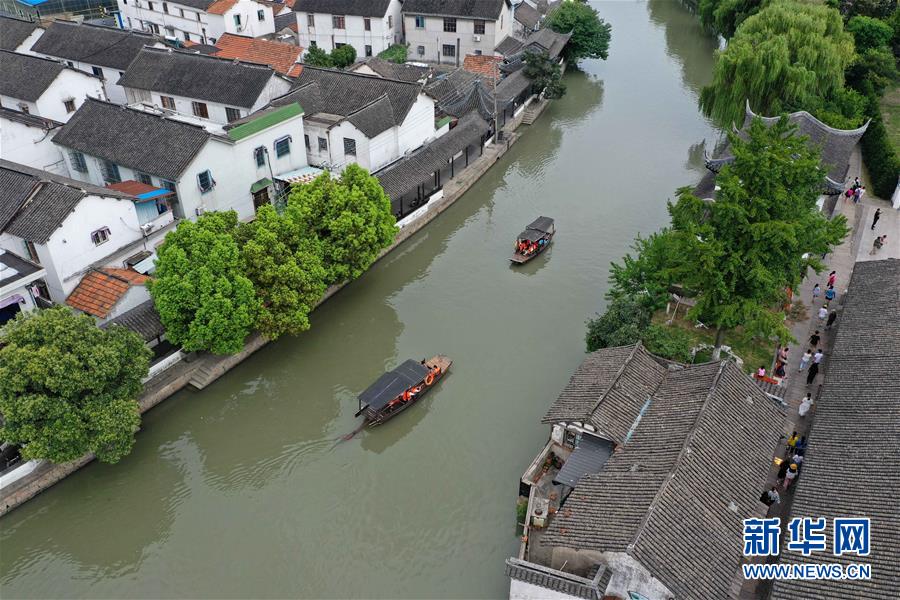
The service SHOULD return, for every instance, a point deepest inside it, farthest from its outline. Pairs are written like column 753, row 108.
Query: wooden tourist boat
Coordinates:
column 396, row 390
column 534, row 240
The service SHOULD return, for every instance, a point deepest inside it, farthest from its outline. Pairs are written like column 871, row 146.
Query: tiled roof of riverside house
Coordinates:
column 359, row 8
column 190, row 75
column 460, row 92
column 197, row 4
column 527, row 15
column 27, row 77
column 220, row 7
column 373, row 104
column 472, row 9
column 483, row 64
column 28, row 119
column 836, row 145
column 286, row 20
column 674, row 497
column 14, row 31
column 509, row 45
column 133, row 138
column 143, row 319
column 392, row 70
column 852, row 463
column 33, row 203
column 99, row 291
column 284, row 58
column 105, row 46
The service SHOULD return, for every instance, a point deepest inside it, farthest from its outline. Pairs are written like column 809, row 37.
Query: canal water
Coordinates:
column 240, row 490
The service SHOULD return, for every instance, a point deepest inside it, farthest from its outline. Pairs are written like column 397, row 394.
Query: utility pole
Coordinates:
column 494, row 94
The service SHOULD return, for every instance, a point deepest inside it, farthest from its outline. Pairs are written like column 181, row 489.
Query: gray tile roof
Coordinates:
column 460, row 92
column 509, row 45
column 852, row 464
column 26, row 77
column 17, row 268
column 14, row 31
column 105, row 46
column 133, row 138
column 549, row 41
column 551, row 579
column 835, row 145
column 511, row 86
column 360, row 8
column 285, row 20
column 352, row 95
column 33, row 203
column 198, row 4
column 28, row 119
column 472, row 9
column 675, row 496
column 392, row 70
column 166, row 71
column 143, row 319
column 527, row 15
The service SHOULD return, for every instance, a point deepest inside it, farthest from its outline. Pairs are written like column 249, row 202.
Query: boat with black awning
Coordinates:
column 396, row 390
column 534, row 240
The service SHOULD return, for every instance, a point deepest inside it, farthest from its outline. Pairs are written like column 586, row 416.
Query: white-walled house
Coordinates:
column 28, row 139
column 69, row 227
column 212, row 89
column 362, row 119
column 18, row 35
column 207, row 168
column 445, row 31
column 19, row 280
column 370, row 26
column 202, row 21
column 44, row 87
column 104, row 51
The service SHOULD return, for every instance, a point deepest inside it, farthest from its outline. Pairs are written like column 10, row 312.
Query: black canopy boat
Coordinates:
column 534, row 240
column 396, row 390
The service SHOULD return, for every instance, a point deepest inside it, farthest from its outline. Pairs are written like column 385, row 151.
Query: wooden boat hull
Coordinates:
column 373, row 418
column 520, row 259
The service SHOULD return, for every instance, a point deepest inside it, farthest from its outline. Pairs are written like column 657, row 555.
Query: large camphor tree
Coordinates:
column 68, row 388
column 590, row 34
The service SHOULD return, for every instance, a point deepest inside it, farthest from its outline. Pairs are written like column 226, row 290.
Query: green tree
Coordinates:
column 880, row 9
column 285, row 266
column 316, row 57
column 789, row 56
column 760, row 236
column 668, row 342
column 68, row 387
column 647, row 274
column 396, row 53
column 590, row 34
column 204, row 299
column 869, row 33
column 351, row 217
column 545, row 73
column 343, row 57
column 623, row 323
column 724, row 16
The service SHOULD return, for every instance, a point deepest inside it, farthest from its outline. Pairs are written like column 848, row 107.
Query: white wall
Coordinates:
column 114, row 92
column 521, row 590
column 69, row 84
column 432, row 37
column 385, row 31
column 199, row 26
column 250, row 25
column 418, row 126
column 296, row 159
column 135, row 296
column 31, row 146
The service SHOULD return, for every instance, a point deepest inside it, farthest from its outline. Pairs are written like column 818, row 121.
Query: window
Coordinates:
column 31, row 251
column 479, row 27
column 232, row 114
column 200, row 109
column 170, row 185
column 450, row 25
column 420, row 22
column 390, row 21
column 339, row 45
column 237, row 20
column 420, row 50
column 368, row 50
column 78, row 162
column 110, row 172
column 70, row 105
column 181, row 12
column 23, row 107
column 478, row 53
column 165, row 8
column 323, row 145
column 100, row 236
column 260, row 15
column 149, row 6
column 367, row 24
column 143, row 178
column 310, row 20
column 198, row 17
column 170, row 31
column 449, row 50
column 261, row 198
column 306, row 141
column 187, row 36
column 350, row 146
column 313, row 44
column 205, row 181
column 337, row 22
column 70, row 63
column 167, row 102
column 97, row 71
column 259, row 154
column 283, row 146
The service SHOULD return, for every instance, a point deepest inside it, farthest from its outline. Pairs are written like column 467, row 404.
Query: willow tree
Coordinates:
column 787, row 57
column 724, row 16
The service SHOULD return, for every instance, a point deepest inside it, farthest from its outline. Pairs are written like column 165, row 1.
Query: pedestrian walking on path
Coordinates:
column 817, row 357
column 805, row 405
column 771, row 497
column 823, row 312
column 830, row 293
column 791, row 444
column 832, row 278
column 860, row 191
column 877, row 244
column 876, row 217
column 813, row 371
column 790, row 476
column 831, row 318
column 804, row 360
column 817, row 291
column 814, row 339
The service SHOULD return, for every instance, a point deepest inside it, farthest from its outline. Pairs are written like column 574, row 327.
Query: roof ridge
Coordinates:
column 103, row 270
column 361, row 75
column 615, row 379
column 681, row 454
column 238, row 61
column 130, row 108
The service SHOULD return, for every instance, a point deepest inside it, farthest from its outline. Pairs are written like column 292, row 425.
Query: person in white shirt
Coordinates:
column 817, row 357
column 823, row 312
column 805, row 405
column 804, row 360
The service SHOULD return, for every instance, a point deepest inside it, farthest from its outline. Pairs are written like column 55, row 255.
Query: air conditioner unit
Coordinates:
column 199, row 211
column 476, row 38
column 147, row 228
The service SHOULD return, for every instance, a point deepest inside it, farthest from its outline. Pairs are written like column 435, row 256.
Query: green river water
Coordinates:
column 239, row 490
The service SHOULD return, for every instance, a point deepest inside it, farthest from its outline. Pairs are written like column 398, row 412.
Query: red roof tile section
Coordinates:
column 132, row 187
column 482, row 64
column 281, row 57
column 220, row 7
column 101, row 289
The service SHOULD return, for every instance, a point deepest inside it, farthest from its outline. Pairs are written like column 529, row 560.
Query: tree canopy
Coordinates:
column 340, row 58
column 590, row 34
column 68, row 387
column 724, row 16
column 545, row 73
column 395, row 53
column 285, row 266
column 351, row 217
column 204, row 298
column 787, row 57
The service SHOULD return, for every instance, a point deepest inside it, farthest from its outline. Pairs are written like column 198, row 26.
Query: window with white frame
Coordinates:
column 337, row 21
column 100, row 236
column 205, row 181
column 260, row 15
column 259, row 155
column 110, row 171
column 449, row 50
column 450, row 25
column 350, row 146
column 70, row 105
column 283, row 146
column 310, row 20
column 323, row 145
column 78, row 162
column 232, row 114
column 479, row 27
column 367, row 24
column 420, row 22
column 167, row 102
column 200, row 109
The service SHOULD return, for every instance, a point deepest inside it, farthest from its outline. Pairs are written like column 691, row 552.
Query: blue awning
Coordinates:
column 31, row 2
